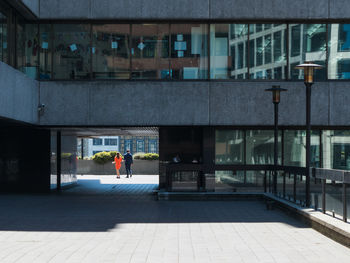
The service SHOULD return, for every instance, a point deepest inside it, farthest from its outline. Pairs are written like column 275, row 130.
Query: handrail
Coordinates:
column 342, row 176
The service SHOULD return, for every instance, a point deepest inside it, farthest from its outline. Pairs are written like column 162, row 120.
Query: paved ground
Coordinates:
column 108, row 223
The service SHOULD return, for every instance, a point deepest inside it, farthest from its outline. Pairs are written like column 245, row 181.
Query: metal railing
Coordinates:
column 328, row 187
column 329, row 192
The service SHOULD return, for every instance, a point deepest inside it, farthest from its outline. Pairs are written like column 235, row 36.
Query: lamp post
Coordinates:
column 276, row 92
column 309, row 69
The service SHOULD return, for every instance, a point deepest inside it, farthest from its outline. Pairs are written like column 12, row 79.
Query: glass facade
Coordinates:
column 178, row 51
column 307, row 42
column 71, row 51
column 229, row 147
column 3, row 38
column 150, row 51
column 260, row 147
column 338, row 51
column 111, row 51
column 27, row 48
column 295, row 145
column 189, row 45
column 336, row 149
column 228, row 51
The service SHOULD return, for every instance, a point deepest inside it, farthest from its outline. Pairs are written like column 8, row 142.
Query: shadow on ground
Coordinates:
column 96, row 207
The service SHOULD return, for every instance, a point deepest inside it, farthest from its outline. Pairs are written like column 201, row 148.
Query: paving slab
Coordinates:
column 110, row 220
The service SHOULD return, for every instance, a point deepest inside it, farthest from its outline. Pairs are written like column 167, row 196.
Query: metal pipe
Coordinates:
column 308, row 142
column 275, row 150
column 58, row 160
column 344, row 203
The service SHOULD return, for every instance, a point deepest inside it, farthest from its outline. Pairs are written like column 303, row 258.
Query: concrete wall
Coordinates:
column 18, row 95
column 194, row 9
column 139, row 167
column 33, row 5
column 123, row 103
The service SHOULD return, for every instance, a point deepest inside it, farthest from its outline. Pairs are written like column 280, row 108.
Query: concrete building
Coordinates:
column 193, row 72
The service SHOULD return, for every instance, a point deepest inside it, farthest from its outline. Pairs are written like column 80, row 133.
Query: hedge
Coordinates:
column 104, row 157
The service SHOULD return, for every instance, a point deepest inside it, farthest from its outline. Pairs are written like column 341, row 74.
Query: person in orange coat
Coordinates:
column 118, row 163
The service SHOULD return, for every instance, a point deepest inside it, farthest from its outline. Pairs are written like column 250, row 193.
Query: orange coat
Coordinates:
column 118, row 162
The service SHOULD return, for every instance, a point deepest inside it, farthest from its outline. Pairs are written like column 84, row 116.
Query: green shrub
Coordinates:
column 139, row 156
column 66, row 155
column 151, row 156
column 104, row 157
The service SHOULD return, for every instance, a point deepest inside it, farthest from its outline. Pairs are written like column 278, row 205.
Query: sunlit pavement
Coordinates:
column 105, row 219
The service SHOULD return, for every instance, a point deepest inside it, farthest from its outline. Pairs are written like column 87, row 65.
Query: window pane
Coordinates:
column 45, row 40
column 110, row 51
column 338, row 51
column 97, row 141
column 260, row 147
column 27, row 48
column 267, row 55
column 336, row 149
column 189, row 58
column 229, row 147
column 72, row 52
column 307, row 43
column 140, row 146
column 295, row 145
column 228, row 51
column 150, row 51
column 3, row 38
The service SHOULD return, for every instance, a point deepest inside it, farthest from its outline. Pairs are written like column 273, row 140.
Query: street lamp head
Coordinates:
column 276, row 90
column 308, row 68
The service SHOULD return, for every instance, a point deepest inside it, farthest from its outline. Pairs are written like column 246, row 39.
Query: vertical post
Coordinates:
column 284, row 185
column 275, row 159
column 295, row 188
column 308, row 142
column 323, row 195
column 344, row 203
column 82, row 148
column 265, row 187
column 58, row 160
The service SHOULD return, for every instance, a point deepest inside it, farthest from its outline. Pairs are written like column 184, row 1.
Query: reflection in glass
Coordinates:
column 229, row 147
column 336, row 149
column 53, row 160
column 110, row 51
column 338, row 51
column 3, row 38
column 189, row 58
column 334, row 191
column 189, row 45
column 184, row 181
column 228, row 51
column 267, row 51
column 150, row 51
column 260, row 147
column 27, row 48
column 294, row 148
column 307, row 42
column 45, row 43
column 239, row 181
column 72, row 52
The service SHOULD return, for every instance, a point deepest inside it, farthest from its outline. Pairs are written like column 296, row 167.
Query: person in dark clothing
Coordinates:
column 128, row 162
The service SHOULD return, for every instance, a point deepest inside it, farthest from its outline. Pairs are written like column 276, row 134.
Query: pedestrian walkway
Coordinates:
column 104, row 226
column 109, row 185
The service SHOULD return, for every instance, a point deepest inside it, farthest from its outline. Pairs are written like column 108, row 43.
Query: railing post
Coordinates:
column 344, row 203
column 295, row 188
column 284, row 186
column 265, row 182
column 323, row 195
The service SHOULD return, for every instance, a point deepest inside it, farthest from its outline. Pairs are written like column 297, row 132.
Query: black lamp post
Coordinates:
column 276, row 92
column 309, row 69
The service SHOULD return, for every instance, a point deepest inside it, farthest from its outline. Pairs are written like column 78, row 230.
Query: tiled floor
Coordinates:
column 110, row 220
